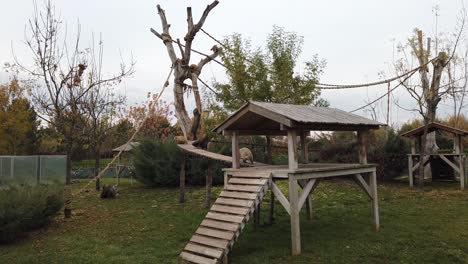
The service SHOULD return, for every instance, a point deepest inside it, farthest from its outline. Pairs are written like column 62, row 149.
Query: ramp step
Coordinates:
column 250, row 174
column 230, row 209
column 243, row 188
column 209, row 232
column 220, row 225
column 248, row 181
column 225, row 217
column 197, row 259
column 203, row 250
column 239, row 195
column 212, row 242
column 234, row 202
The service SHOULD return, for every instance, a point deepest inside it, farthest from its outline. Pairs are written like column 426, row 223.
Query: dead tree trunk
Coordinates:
column 183, row 70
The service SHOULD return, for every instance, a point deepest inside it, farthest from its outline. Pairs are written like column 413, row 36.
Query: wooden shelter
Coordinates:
column 245, row 187
column 458, row 154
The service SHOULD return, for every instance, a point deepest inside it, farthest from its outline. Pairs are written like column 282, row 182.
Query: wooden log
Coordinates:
column 182, row 180
column 294, row 216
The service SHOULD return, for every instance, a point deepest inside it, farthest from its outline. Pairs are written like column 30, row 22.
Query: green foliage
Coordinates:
column 24, row 208
column 157, row 163
column 268, row 74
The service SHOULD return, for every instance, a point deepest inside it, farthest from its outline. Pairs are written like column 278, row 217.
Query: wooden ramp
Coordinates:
column 227, row 217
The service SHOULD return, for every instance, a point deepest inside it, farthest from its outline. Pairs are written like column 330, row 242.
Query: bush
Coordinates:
column 157, row 163
column 24, row 208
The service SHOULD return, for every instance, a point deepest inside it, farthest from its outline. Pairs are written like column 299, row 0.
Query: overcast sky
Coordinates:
column 356, row 38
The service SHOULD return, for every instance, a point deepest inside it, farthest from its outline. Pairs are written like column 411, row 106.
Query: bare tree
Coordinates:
column 183, row 70
column 100, row 104
column 59, row 71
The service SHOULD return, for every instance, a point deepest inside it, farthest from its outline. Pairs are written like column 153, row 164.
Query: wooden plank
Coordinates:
column 220, row 225
column 248, row 181
column 243, row 188
column 197, row 259
column 209, row 232
column 235, row 202
column 225, row 217
column 230, row 209
column 212, row 242
column 203, row 250
column 281, row 198
column 238, row 195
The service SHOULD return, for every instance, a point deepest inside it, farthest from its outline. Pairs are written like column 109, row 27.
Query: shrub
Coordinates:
column 24, row 208
column 157, row 163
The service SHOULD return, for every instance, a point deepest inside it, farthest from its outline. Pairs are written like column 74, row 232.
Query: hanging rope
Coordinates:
column 166, row 84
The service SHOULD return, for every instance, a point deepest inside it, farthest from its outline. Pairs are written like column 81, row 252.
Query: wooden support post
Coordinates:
column 235, row 150
column 271, row 218
column 375, row 200
column 462, row 172
column 410, row 170
column 308, row 202
column 294, row 215
column 209, row 182
column 182, row 180
column 292, row 149
column 304, row 149
column 362, row 145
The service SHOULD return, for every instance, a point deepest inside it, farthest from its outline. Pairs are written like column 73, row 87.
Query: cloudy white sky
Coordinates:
column 356, row 38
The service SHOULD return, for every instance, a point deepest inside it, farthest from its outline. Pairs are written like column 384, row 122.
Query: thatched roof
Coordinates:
column 257, row 118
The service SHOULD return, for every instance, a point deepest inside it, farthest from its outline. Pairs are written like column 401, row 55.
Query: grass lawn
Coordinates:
column 150, row 226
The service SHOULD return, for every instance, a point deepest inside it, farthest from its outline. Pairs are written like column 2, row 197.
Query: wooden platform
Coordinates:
column 227, row 217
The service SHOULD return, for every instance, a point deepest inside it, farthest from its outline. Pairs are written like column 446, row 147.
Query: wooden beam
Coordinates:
column 294, row 216
column 455, row 167
column 462, row 172
column 375, row 200
column 235, row 151
column 292, row 150
column 304, row 148
column 305, row 192
column 281, row 198
column 182, row 180
column 363, row 184
column 252, row 132
column 413, row 145
column 362, row 145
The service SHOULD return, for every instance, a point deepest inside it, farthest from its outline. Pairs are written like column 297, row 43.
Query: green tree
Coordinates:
column 18, row 121
column 269, row 75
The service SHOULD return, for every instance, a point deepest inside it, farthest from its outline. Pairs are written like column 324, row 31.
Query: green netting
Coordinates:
column 32, row 170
